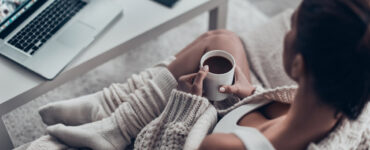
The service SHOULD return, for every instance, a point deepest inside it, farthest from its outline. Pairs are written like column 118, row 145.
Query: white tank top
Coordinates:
column 251, row 137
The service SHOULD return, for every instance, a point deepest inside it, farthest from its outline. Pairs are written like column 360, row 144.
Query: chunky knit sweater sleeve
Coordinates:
column 170, row 129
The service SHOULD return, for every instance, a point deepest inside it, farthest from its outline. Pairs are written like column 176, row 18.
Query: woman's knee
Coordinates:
column 218, row 32
column 229, row 42
column 224, row 32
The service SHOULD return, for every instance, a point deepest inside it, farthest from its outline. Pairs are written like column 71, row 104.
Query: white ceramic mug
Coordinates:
column 213, row 81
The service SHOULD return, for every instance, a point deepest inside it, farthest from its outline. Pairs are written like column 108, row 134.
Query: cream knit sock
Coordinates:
column 170, row 129
column 99, row 105
column 75, row 111
column 100, row 135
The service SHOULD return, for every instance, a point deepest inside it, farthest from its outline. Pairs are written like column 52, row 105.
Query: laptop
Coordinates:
column 45, row 35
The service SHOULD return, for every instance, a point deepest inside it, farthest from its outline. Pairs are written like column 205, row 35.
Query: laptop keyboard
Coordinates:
column 45, row 25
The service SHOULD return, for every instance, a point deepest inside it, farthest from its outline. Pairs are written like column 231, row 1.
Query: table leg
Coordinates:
column 218, row 17
column 5, row 141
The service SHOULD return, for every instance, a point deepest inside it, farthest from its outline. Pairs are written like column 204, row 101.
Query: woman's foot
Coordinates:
column 75, row 111
column 100, row 135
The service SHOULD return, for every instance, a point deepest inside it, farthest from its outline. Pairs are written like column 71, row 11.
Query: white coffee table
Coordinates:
column 142, row 21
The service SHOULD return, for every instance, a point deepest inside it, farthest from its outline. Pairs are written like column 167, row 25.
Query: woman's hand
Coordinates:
column 193, row 83
column 242, row 86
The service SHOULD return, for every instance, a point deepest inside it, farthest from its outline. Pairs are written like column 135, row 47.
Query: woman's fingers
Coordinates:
column 242, row 87
column 231, row 89
column 188, row 77
column 197, row 88
column 237, row 90
column 186, row 82
column 193, row 83
column 201, row 75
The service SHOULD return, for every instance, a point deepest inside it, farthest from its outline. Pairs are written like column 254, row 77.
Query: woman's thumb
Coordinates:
column 231, row 89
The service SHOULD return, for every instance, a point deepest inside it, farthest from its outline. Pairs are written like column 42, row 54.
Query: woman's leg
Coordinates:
column 99, row 105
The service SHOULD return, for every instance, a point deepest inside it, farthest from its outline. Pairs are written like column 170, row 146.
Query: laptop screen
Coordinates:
column 10, row 10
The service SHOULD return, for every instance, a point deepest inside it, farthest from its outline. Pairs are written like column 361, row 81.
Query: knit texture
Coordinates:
column 146, row 104
column 117, row 93
column 170, row 129
column 283, row 94
column 201, row 128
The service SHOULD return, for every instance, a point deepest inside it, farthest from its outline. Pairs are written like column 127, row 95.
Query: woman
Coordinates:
column 326, row 53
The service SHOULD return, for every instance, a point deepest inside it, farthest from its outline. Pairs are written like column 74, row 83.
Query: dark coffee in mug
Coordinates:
column 218, row 64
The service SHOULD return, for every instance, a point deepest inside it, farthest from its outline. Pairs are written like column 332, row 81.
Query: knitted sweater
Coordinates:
column 172, row 128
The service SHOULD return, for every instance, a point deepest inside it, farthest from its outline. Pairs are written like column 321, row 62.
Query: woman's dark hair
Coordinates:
column 334, row 38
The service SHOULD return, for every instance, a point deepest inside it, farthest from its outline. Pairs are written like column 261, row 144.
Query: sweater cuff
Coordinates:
column 184, row 107
column 166, row 62
column 165, row 81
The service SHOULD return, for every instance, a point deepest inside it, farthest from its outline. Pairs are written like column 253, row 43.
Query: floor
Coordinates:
column 24, row 123
column 273, row 7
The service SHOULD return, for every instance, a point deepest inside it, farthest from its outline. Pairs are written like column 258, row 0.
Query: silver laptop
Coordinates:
column 45, row 35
